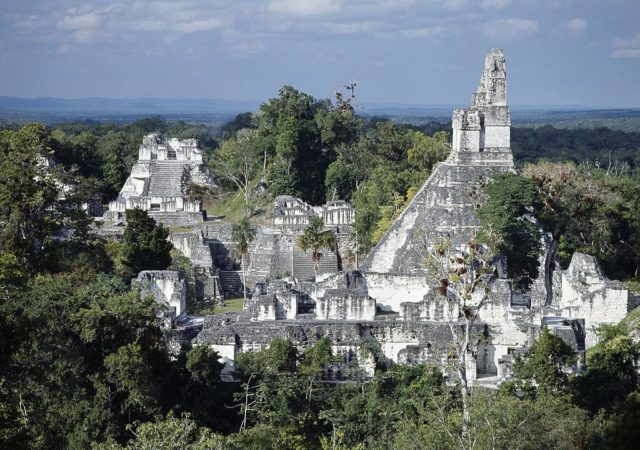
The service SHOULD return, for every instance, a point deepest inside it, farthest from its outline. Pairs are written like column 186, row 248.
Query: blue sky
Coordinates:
column 423, row 52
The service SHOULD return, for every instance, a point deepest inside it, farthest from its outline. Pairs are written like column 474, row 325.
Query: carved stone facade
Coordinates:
column 290, row 211
column 159, row 181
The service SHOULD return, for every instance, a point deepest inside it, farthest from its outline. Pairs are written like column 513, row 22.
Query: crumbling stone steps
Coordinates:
column 303, row 266
column 176, row 218
column 166, row 179
column 231, row 281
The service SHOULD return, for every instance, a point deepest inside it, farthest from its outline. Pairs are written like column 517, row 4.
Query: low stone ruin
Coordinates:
column 160, row 180
column 167, row 287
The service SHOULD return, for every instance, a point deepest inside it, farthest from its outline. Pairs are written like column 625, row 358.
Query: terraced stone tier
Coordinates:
column 442, row 205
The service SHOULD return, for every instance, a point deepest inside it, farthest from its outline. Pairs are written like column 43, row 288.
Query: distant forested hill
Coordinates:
column 600, row 146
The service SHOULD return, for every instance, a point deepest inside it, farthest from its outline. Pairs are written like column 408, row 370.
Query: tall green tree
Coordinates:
column 146, row 246
column 315, row 238
column 546, row 364
column 28, row 195
column 512, row 234
column 238, row 162
column 242, row 235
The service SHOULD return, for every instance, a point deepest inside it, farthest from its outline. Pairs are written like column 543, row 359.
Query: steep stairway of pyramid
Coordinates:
column 304, row 267
column 231, row 281
column 166, row 179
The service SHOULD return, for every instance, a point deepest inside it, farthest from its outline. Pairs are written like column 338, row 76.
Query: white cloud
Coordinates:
column 577, row 24
column 510, row 29
column 197, row 25
column 634, row 42
column 413, row 33
column 147, row 25
column 626, row 53
column 494, row 4
column 78, row 22
column 626, row 48
column 355, row 27
column 305, row 8
column 454, row 4
column 32, row 23
column 83, row 36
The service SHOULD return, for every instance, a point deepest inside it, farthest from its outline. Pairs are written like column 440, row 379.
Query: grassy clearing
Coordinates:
column 230, row 208
column 232, row 304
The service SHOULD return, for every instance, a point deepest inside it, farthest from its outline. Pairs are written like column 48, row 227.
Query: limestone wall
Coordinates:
column 343, row 304
column 167, row 287
column 587, row 294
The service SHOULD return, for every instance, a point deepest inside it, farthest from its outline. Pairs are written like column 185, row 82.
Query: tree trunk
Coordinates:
column 244, row 284
column 464, row 382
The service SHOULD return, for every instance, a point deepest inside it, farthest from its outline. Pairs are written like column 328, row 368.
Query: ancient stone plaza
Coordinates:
column 388, row 301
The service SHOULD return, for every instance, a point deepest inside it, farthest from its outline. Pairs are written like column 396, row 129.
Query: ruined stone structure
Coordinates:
column 159, row 181
column 274, row 252
column 167, row 287
column 290, row 211
column 392, row 304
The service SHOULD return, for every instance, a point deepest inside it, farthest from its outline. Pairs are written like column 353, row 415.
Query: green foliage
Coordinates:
column 289, row 134
column 104, row 356
column 546, row 364
column 600, row 146
column 203, row 365
column 169, row 433
column 611, row 369
column 238, row 163
column 591, row 211
column 242, row 235
column 622, row 431
column 506, row 229
column 145, row 244
column 28, row 194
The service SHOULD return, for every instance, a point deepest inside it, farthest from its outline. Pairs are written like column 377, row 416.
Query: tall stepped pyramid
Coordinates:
column 158, row 182
column 481, row 149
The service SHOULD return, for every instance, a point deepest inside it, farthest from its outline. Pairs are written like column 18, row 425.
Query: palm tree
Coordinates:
column 242, row 234
column 315, row 238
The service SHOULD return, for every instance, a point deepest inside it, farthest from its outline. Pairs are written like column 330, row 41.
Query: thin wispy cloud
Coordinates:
column 511, row 29
column 577, row 25
column 197, row 25
column 305, row 8
column 79, row 22
column 626, row 48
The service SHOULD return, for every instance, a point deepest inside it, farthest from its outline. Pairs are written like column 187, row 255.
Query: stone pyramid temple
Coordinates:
column 481, row 148
column 160, row 180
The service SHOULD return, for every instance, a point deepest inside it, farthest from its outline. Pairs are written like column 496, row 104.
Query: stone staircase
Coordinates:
column 176, row 218
column 166, row 179
column 303, row 266
column 231, row 281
